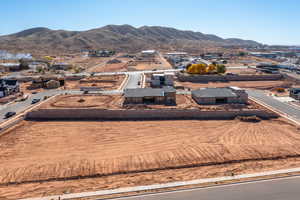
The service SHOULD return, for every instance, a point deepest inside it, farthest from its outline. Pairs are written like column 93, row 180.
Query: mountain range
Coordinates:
column 115, row 37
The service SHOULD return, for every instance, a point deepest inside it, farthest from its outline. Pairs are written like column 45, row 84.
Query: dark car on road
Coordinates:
column 9, row 114
column 34, row 101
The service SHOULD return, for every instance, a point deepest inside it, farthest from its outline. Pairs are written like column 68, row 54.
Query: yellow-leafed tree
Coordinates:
column 211, row 68
column 196, row 68
column 48, row 58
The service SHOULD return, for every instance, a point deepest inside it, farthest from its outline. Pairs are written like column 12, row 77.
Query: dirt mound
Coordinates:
column 253, row 119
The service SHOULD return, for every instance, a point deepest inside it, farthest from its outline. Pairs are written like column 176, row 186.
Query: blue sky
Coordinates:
column 267, row 21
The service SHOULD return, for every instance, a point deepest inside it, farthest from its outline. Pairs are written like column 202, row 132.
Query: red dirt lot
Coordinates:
column 44, row 150
column 241, row 71
column 116, row 67
column 106, row 82
column 85, row 101
column 263, row 85
column 116, row 102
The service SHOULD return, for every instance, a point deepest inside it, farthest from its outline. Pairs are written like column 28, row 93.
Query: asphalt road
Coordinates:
column 276, row 189
column 288, row 109
column 133, row 80
column 23, row 105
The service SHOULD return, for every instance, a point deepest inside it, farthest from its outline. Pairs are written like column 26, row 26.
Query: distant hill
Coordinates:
column 117, row 37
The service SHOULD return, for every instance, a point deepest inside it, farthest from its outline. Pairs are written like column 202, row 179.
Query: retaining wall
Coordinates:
column 169, row 114
column 226, row 78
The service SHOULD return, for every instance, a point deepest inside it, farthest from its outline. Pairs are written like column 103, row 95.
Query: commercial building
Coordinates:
column 165, row 95
column 228, row 95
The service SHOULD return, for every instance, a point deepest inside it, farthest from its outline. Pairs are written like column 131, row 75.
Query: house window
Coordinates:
column 221, row 100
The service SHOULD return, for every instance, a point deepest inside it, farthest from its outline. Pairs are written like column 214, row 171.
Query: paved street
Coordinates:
column 23, row 105
column 133, row 80
column 276, row 189
column 283, row 107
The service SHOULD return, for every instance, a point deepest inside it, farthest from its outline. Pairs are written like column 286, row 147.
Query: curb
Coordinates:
column 21, row 116
column 143, row 80
column 125, row 81
column 167, row 185
column 275, row 110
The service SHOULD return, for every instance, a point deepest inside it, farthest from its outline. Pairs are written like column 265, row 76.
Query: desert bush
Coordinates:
column 280, row 90
column 81, row 100
column 253, row 118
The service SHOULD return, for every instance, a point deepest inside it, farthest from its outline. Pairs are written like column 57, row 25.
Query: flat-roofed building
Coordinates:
column 165, row 95
column 7, row 67
column 160, row 80
column 208, row 96
column 148, row 53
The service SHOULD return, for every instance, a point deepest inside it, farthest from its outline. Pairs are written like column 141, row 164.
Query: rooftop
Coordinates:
column 9, row 64
column 144, row 92
column 214, row 92
column 148, row 92
column 149, row 52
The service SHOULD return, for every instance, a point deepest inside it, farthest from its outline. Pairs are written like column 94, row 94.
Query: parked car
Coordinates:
column 24, row 97
column 232, row 74
column 34, row 92
column 9, row 114
column 35, row 101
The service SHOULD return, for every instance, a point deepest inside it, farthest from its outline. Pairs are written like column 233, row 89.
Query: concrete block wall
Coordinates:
column 167, row 114
column 225, row 78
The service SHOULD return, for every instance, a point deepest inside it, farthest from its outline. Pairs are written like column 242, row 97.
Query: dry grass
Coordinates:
column 57, row 150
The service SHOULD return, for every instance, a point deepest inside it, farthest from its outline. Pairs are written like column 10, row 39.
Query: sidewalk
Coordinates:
column 163, row 186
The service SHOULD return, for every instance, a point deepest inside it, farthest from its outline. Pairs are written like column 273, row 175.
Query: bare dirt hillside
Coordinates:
column 117, row 37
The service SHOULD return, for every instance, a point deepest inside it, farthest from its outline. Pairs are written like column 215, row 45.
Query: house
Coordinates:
column 160, row 80
column 165, row 95
column 176, row 54
column 3, row 91
column 61, row 66
column 8, row 67
column 220, row 95
column 46, row 82
column 295, row 93
column 100, row 53
column 148, row 53
column 8, row 87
